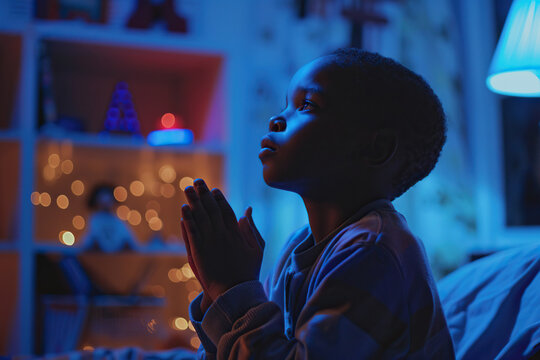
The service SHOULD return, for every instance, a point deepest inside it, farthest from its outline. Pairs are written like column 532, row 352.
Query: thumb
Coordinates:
column 247, row 234
column 254, row 229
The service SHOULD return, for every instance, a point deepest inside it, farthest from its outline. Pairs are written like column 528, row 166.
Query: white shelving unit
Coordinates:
column 85, row 42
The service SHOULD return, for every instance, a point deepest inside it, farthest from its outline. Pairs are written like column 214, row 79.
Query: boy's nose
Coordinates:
column 277, row 124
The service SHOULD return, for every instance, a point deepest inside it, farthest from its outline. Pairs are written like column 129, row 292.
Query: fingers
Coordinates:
column 191, row 228
column 229, row 218
column 254, row 229
column 209, row 204
column 199, row 215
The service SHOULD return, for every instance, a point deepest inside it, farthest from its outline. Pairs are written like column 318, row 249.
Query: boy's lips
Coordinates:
column 267, row 142
column 268, row 147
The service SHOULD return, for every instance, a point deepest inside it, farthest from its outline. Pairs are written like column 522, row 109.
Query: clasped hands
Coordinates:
column 222, row 251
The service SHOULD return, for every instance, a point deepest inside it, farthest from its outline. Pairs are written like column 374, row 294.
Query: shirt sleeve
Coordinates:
column 357, row 310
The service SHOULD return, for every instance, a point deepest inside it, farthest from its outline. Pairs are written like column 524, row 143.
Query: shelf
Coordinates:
column 149, row 39
column 8, row 245
column 187, row 84
column 53, row 247
column 12, row 28
column 127, row 142
column 9, row 135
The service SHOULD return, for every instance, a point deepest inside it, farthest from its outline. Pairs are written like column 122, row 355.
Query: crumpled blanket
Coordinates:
column 492, row 305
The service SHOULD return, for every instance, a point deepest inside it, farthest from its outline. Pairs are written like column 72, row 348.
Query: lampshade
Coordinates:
column 515, row 67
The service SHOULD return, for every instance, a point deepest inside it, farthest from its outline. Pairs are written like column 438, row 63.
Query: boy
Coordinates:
column 357, row 131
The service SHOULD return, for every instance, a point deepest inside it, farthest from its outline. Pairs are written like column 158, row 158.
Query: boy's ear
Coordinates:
column 382, row 148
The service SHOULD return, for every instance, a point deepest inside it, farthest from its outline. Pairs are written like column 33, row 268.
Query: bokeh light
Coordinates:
column 190, row 326
column 62, row 201
column 151, row 326
column 48, row 173
column 150, row 214
column 134, row 217
column 88, row 348
column 167, row 190
column 195, row 342
column 67, row 167
column 34, row 198
column 155, row 224
column 136, row 188
column 54, row 160
column 77, row 187
column 45, row 199
column 122, row 212
column 67, row 238
column 78, row 222
column 185, row 182
column 167, row 173
column 168, row 120
column 175, row 275
column 186, row 270
column 120, row 193
column 180, row 323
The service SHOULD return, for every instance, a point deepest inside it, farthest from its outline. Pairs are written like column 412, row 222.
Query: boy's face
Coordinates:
column 312, row 139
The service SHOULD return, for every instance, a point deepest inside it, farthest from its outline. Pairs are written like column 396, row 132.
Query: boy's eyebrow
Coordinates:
column 312, row 89
column 306, row 90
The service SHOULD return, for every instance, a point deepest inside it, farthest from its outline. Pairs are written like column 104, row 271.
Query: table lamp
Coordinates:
column 515, row 67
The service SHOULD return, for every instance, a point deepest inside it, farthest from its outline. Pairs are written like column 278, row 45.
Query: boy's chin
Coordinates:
column 274, row 180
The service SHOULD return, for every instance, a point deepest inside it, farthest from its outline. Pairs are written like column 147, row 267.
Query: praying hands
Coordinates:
column 222, row 251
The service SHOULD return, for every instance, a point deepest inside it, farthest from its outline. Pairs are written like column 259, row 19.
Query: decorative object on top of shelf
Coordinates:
column 515, row 67
column 148, row 12
column 170, row 132
column 121, row 116
column 88, row 10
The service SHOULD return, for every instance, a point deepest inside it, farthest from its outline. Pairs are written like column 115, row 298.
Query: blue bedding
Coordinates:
column 492, row 306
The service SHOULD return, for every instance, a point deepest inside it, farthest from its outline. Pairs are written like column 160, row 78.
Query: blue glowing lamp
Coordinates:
column 170, row 133
column 515, row 68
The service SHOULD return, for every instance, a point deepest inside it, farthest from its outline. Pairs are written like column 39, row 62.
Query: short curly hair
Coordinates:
column 393, row 96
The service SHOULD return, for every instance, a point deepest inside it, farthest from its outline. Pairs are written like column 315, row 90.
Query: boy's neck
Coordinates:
column 326, row 216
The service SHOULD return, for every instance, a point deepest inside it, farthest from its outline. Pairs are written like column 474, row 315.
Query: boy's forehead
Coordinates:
column 321, row 76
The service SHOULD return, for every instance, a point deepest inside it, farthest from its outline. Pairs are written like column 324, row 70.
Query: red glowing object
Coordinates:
column 168, row 120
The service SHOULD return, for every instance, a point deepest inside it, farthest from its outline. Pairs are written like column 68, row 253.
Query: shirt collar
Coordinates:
column 307, row 252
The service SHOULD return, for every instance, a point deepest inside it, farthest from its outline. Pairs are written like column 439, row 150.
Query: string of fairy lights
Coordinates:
column 56, row 167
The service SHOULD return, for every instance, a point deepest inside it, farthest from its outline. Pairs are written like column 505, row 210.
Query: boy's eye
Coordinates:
column 306, row 105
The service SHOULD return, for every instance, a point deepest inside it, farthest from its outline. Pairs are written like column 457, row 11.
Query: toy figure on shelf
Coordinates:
column 121, row 116
column 148, row 12
column 106, row 232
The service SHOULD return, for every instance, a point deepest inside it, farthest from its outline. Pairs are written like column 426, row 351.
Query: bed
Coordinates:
column 492, row 305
